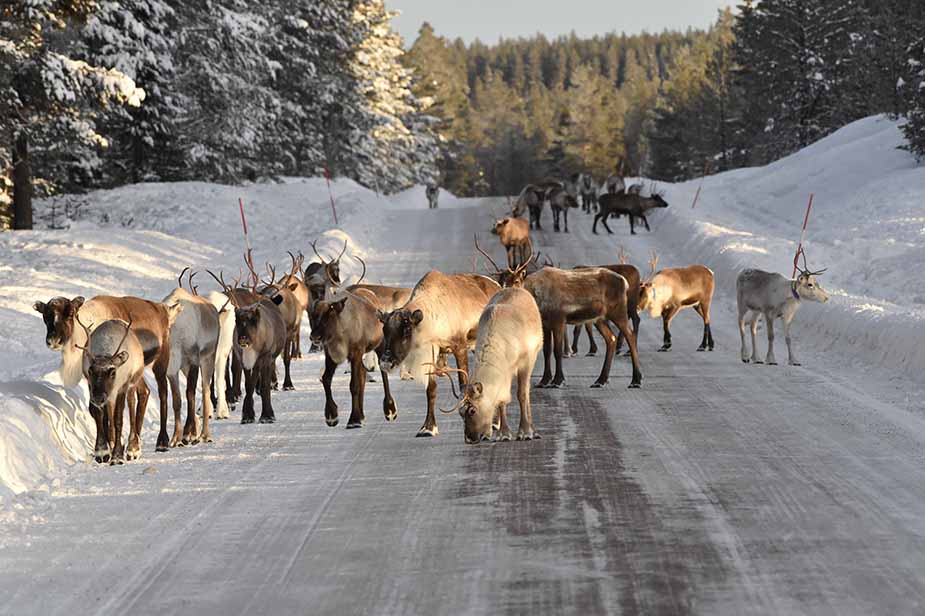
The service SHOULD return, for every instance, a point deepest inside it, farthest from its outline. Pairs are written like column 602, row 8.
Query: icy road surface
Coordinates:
column 718, row 488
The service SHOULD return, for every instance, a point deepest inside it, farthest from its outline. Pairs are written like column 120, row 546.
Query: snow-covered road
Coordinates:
column 718, row 488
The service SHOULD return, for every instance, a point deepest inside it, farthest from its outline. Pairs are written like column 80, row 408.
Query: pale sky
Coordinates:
column 488, row 20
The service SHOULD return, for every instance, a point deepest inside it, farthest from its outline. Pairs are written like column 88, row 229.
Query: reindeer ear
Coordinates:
column 39, row 307
column 119, row 358
column 416, row 317
column 339, row 306
column 76, row 303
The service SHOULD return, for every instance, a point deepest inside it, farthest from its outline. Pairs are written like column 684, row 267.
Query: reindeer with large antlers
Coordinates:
column 670, row 290
column 260, row 337
column 772, row 295
column 114, row 364
column 575, row 297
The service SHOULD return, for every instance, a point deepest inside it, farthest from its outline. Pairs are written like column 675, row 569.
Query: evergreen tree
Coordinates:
column 914, row 89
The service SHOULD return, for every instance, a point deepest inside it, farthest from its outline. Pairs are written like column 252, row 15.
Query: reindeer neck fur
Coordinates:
column 92, row 314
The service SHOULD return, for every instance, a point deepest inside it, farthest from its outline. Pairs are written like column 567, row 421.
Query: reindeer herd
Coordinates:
column 505, row 318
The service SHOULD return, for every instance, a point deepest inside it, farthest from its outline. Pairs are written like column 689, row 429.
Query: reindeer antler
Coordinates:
column 229, row 291
column 653, row 263
column 623, row 255
column 363, row 275
column 128, row 328
column 180, row 277
column 805, row 269
column 86, row 329
column 253, row 278
column 341, row 252
column 487, row 256
column 296, row 265
column 189, row 281
column 318, row 254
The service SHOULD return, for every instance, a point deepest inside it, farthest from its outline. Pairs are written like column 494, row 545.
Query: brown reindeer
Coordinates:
column 514, row 234
column 300, row 291
column 260, row 337
column 347, row 326
column 290, row 308
column 150, row 323
column 441, row 317
column 670, row 290
column 631, row 275
column 576, row 297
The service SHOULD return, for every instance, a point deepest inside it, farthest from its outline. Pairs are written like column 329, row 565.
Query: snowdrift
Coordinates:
column 133, row 241
column 867, row 226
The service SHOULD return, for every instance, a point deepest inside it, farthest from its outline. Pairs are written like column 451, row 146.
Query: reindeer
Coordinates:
column 514, row 234
column 151, row 324
column 509, row 341
column 631, row 275
column 532, row 198
column 300, row 291
column 561, row 200
column 290, row 308
column 113, row 364
column 322, row 277
column 576, row 297
column 614, row 184
column 442, row 316
column 774, row 296
column 588, row 190
column 194, row 339
column 629, row 203
column 259, row 338
column 347, row 326
column 223, row 351
column 670, row 290
column 432, row 191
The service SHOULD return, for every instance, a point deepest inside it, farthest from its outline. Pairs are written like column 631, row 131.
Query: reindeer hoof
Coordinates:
column 757, row 362
column 527, row 435
column 598, row 384
column 353, row 425
column 635, row 386
column 391, row 415
column 102, row 457
column 247, row 420
column 505, row 437
column 426, row 431
column 772, row 363
column 331, row 422
column 745, row 360
column 267, row 419
column 542, row 385
column 161, row 448
column 591, row 354
column 131, row 455
column 206, row 438
column 288, row 387
column 701, row 349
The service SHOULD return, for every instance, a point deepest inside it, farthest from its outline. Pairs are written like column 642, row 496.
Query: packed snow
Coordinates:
column 867, row 227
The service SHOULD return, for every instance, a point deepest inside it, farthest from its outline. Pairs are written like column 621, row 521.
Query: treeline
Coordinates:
column 109, row 92
column 760, row 84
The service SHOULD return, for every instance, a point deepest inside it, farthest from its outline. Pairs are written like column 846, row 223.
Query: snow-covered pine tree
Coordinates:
column 389, row 145
column 914, row 90
column 224, row 78
column 138, row 38
column 798, row 55
column 49, row 96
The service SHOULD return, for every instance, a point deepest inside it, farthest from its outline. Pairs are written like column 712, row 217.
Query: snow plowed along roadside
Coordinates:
column 867, row 227
column 134, row 240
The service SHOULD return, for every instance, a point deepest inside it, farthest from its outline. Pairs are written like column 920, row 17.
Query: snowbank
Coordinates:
column 867, row 227
column 134, row 240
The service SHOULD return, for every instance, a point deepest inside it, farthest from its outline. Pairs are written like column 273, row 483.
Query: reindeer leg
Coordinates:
column 565, row 213
column 247, row 407
column 137, row 419
column 645, row 221
column 634, row 317
column 753, row 325
column 610, row 341
column 357, row 385
column 558, row 345
column 191, row 428
column 606, row 226
column 267, row 416
column 525, row 432
column 237, row 370
column 592, row 349
column 791, row 358
column 667, row 315
column 547, row 353
column 706, row 328
column 330, row 407
column 573, row 350
column 597, row 217
column 430, row 423
column 632, row 225
column 504, row 430
column 177, row 438
column 623, row 325
column 160, row 376
column 744, row 350
column 287, row 360
column 118, row 450
column 388, row 402
column 769, row 322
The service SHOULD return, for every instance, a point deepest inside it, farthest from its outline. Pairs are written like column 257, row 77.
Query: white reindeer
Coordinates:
column 510, row 338
column 226, row 325
column 759, row 292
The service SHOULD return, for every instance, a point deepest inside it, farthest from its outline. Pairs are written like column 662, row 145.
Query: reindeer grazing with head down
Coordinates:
column 774, row 296
column 150, row 323
column 260, row 337
column 670, row 290
column 575, row 297
column 510, row 335
column 441, row 317
column 113, row 364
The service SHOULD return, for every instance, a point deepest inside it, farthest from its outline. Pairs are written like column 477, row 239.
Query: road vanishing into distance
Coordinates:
column 717, row 488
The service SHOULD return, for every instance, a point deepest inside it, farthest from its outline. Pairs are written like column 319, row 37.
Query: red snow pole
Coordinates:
column 802, row 235
column 327, row 178
column 247, row 241
column 706, row 169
